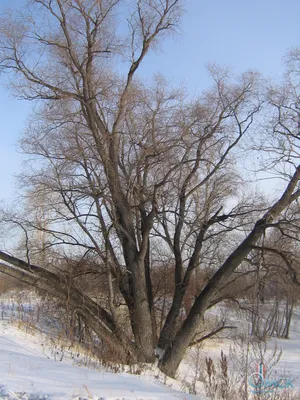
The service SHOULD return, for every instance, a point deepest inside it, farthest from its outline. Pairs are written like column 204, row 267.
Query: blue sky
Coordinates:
column 240, row 34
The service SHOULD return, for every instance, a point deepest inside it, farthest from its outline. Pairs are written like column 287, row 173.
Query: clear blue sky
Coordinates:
column 243, row 34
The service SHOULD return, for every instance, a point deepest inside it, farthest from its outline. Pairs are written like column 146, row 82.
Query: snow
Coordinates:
column 30, row 366
column 27, row 372
column 159, row 353
column 290, row 360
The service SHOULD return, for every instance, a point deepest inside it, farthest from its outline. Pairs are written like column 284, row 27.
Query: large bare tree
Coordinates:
column 125, row 171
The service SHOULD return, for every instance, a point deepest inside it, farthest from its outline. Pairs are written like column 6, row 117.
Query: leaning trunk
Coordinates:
column 177, row 348
column 91, row 313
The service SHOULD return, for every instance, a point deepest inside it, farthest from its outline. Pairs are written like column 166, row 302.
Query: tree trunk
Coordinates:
column 142, row 318
column 169, row 329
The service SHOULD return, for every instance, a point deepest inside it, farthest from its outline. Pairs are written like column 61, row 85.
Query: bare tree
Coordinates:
column 126, row 170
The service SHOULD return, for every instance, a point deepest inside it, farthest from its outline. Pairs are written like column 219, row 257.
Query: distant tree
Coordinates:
column 135, row 175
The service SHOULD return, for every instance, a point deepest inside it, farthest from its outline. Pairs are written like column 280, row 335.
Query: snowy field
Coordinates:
column 30, row 368
column 26, row 372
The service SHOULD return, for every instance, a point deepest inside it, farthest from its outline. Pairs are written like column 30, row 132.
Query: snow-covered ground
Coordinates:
column 26, row 372
column 289, row 362
column 286, row 369
column 30, row 366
